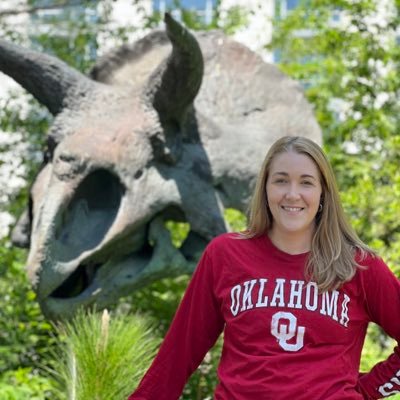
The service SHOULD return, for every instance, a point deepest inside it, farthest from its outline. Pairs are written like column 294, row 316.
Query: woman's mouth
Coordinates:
column 292, row 209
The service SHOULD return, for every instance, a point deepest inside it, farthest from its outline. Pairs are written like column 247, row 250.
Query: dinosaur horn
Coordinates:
column 48, row 79
column 176, row 82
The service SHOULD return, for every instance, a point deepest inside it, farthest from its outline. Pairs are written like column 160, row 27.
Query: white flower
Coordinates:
column 381, row 99
column 6, row 220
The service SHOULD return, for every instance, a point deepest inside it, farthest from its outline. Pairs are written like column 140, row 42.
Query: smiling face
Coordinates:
column 294, row 194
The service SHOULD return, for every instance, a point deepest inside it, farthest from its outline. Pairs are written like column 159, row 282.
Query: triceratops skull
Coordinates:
column 132, row 146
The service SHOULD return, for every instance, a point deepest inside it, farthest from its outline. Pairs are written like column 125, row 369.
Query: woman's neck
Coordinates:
column 296, row 243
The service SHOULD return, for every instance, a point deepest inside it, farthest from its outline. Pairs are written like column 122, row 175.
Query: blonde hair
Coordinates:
column 331, row 260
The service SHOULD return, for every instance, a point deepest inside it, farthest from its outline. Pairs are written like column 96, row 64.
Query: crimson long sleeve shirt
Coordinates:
column 283, row 339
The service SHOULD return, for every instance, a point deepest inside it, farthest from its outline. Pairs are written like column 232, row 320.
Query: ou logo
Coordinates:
column 284, row 328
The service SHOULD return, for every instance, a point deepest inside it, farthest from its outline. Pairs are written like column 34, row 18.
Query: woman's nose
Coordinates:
column 293, row 192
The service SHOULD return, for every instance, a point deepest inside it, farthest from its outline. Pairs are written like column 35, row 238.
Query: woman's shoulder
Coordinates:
column 224, row 239
column 372, row 266
column 368, row 258
column 229, row 240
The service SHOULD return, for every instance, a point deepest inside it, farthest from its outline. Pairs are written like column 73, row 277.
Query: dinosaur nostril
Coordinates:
column 89, row 215
column 138, row 174
column 77, row 282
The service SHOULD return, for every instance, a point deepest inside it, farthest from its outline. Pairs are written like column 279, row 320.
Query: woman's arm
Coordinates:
column 196, row 326
column 382, row 292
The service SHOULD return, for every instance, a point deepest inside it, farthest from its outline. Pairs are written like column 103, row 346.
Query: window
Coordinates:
column 52, row 17
column 291, row 4
column 187, row 4
column 59, row 27
column 285, row 6
column 203, row 8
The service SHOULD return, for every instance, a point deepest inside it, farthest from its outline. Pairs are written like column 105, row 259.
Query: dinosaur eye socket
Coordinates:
column 102, row 190
column 89, row 215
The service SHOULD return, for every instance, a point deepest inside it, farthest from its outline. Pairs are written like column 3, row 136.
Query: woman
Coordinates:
column 293, row 295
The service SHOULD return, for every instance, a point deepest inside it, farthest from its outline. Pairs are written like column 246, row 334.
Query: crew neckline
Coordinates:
column 282, row 254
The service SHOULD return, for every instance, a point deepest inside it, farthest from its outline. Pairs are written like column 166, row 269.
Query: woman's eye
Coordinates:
column 280, row 180
column 307, row 183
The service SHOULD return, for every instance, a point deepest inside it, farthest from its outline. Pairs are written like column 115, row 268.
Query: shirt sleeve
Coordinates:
column 382, row 296
column 194, row 330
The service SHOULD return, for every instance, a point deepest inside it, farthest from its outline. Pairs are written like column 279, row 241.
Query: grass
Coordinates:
column 103, row 357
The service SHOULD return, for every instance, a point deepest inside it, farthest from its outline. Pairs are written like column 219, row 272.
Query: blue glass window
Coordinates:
column 203, row 8
column 291, row 4
column 188, row 4
column 283, row 7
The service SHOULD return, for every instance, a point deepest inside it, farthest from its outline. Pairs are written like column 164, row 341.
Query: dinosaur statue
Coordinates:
column 173, row 127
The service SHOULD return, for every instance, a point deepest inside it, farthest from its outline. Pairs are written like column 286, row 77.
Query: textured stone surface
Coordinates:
column 140, row 142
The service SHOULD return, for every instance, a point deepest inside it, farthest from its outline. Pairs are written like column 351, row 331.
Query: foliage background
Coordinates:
column 349, row 71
